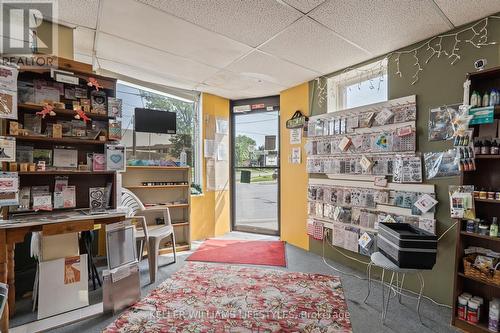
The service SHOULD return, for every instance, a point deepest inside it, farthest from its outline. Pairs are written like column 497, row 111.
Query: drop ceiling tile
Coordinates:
column 158, row 62
column 381, row 26
column 81, row 57
column 143, row 75
column 243, row 85
column 221, row 92
column 464, row 11
column 313, row 46
column 83, row 40
column 251, row 22
column 78, row 12
column 152, row 27
column 260, row 65
column 304, row 6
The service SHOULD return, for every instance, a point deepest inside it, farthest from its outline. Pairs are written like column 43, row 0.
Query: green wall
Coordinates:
column 440, row 83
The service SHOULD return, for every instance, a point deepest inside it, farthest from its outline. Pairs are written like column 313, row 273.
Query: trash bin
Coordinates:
column 245, row 176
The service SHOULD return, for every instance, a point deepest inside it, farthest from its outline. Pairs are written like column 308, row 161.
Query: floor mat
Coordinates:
column 222, row 298
column 259, row 252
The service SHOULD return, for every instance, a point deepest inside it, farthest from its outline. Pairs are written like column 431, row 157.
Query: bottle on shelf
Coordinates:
column 485, row 149
column 494, row 149
column 486, row 99
column 494, row 227
column 478, row 145
column 183, row 158
column 475, row 99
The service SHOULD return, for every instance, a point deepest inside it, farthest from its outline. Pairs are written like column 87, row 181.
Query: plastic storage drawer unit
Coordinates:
column 407, row 246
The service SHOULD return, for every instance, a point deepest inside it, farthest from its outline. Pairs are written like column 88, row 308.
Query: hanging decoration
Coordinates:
column 47, row 110
column 81, row 115
column 92, row 82
column 321, row 85
column 478, row 37
column 435, row 47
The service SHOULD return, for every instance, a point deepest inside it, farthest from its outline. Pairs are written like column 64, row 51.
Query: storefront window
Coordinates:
column 161, row 147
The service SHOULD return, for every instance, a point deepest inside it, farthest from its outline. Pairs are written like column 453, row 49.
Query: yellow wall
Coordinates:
column 293, row 176
column 210, row 212
column 64, row 38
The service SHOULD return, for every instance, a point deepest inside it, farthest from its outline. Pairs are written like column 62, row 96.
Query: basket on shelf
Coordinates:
column 475, row 273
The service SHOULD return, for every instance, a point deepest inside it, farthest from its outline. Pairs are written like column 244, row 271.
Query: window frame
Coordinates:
column 340, row 83
column 197, row 122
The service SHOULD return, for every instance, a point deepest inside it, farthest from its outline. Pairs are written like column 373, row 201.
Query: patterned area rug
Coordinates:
column 221, row 298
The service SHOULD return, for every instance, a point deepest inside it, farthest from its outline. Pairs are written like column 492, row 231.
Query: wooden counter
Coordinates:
column 14, row 231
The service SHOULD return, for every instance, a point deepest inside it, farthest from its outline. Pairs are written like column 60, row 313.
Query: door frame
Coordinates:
column 268, row 102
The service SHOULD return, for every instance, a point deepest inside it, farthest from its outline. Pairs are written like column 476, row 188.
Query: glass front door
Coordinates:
column 256, row 172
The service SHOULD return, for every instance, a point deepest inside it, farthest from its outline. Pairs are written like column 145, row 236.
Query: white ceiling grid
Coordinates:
column 251, row 48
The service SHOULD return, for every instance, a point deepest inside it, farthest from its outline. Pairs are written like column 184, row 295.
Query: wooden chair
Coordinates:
column 149, row 234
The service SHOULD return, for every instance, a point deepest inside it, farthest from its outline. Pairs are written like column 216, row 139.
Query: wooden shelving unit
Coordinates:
column 33, row 108
column 156, row 198
column 488, row 157
column 56, row 141
column 486, row 176
column 488, row 201
column 153, row 187
column 82, row 180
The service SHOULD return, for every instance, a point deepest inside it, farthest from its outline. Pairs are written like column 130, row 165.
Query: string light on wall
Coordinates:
column 321, row 90
column 434, row 46
column 476, row 35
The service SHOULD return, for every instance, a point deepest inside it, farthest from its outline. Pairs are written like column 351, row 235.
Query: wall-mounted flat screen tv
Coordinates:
column 155, row 121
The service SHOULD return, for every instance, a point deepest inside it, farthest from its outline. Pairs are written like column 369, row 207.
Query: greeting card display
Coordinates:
column 97, row 199
column 98, row 162
column 98, row 101
column 115, row 130
column 7, row 149
column 114, row 107
column 8, row 92
column 115, row 158
column 9, row 182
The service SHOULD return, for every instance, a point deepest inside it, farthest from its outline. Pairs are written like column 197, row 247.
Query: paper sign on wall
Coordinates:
column 221, row 126
column 209, row 150
column 296, row 155
column 296, row 136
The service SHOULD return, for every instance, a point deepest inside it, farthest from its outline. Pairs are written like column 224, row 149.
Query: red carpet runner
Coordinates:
column 270, row 253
